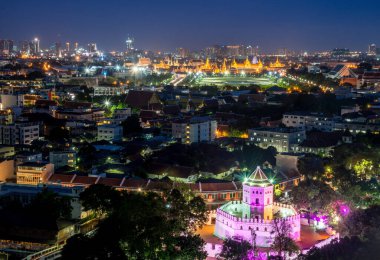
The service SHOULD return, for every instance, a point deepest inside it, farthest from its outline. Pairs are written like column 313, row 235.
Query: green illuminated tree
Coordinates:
column 364, row 168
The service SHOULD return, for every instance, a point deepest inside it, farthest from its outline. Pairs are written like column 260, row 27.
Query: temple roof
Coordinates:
column 258, row 178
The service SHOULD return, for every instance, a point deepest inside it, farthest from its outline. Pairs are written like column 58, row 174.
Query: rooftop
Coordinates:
column 258, row 178
column 278, row 129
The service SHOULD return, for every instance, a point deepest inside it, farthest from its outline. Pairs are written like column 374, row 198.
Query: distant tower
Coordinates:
column 58, row 49
column 372, row 49
column 36, row 43
column 129, row 42
column 76, row 46
column 67, row 47
column 92, row 48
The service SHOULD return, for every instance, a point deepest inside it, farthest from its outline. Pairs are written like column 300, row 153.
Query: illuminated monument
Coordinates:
column 277, row 64
column 233, row 67
column 254, row 215
column 247, row 66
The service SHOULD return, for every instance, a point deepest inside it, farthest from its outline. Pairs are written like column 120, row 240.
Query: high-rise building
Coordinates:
column 129, row 42
column 76, row 46
column 6, row 47
column 372, row 50
column 92, row 47
column 182, row 52
column 36, row 46
column 25, row 47
column 213, row 51
column 234, row 50
column 58, row 49
column 67, row 47
column 282, row 52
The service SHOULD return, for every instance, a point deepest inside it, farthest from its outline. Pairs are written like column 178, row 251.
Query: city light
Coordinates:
column 213, row 146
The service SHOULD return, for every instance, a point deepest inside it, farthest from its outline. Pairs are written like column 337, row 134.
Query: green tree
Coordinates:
column 131, row 126
column 363, row 223
column 86, row 156
column 49, row 205
column 282, row 244
column 364, row 169
column 313, row 195
column 100, row 198
column 235, row 250
column 145, row 226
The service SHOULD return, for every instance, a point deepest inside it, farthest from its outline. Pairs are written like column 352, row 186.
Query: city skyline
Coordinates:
column 168, row 25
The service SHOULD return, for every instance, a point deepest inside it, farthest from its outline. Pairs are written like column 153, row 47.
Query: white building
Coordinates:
column 195, row 130
column 122, row 113
column 308, row 121
column 62, row 158
column 109, row 90
column 19, row 133
column 282, row 138
column 119, row 115
column 110, row 133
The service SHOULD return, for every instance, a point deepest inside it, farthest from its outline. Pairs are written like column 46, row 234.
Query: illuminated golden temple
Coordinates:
column 247, row 66
column 208, row 66
column 277, row 64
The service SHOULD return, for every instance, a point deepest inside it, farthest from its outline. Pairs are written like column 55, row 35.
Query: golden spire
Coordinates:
column 260, row 64
column 234, row 63
column 224, row 66
column 247, row 63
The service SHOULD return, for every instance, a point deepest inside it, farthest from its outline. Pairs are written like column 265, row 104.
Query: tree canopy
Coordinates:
column 142, row 226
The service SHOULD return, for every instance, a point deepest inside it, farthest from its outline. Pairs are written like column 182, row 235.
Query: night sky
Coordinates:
column 167, row 24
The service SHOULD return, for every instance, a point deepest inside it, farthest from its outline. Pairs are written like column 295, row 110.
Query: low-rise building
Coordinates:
column 281, row 138
column 7, row 169
column 110, row 132
column 6, row 151
column 34, row 173
column 24, row 156
column 308, row 121
column 62, row 158
column 195, row 130
column 19, row 133
column 357, row 127
column 109, row 90
column 25, row 194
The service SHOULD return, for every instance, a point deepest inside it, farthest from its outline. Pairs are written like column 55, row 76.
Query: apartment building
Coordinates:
column 309, row 121
column 19, row 133
column 195, row 130
column 281, row 138
column 110, row 132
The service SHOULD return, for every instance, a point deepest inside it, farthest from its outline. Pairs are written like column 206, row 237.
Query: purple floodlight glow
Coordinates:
column 344, row 210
